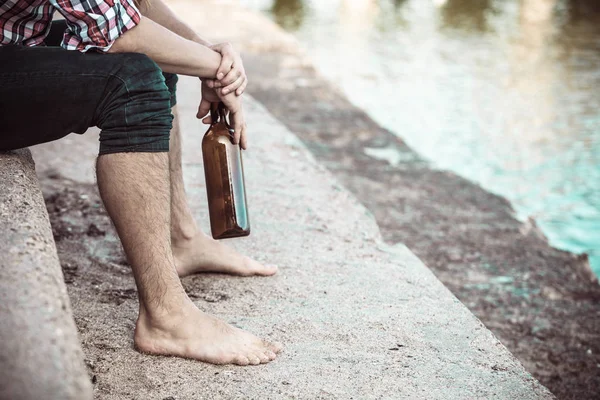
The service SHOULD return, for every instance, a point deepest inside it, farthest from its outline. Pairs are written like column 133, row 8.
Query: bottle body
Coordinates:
column 224, row 173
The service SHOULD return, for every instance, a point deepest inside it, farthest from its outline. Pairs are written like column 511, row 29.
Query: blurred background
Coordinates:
column 505, row 93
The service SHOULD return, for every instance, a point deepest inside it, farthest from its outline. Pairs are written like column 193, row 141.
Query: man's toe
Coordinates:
column 263, row 358
column 275, row 347
column 242, row 360
column 268, row 270
column 254, row 360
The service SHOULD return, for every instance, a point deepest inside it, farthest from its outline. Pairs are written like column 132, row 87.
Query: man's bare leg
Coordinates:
column 136, row 193
column 193, row 250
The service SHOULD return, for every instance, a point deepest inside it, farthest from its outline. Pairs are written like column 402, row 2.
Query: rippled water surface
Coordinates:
column 505, row 93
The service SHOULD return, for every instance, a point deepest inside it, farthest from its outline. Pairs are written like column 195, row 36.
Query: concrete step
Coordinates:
column 40, row 354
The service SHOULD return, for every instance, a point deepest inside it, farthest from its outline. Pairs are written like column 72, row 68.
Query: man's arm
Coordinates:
column 181, row 56
column 160, row 13
column 117, row 26
column 170, row 51
column 177, row 54
column 231, row 75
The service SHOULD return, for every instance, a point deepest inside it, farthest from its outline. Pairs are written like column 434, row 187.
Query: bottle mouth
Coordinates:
column 218, row 112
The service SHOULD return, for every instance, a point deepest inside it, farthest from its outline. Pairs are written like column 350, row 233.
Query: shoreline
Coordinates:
column 458, row 105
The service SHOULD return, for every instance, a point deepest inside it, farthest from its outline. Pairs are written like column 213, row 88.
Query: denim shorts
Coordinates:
column 47, row 92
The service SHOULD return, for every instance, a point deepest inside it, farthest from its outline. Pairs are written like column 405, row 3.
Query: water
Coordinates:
column 504, row 93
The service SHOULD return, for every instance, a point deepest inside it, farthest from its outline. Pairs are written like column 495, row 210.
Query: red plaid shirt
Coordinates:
column 92, row 24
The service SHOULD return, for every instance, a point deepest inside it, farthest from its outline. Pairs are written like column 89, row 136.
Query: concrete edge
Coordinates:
column 40, row 354
column 398, row 252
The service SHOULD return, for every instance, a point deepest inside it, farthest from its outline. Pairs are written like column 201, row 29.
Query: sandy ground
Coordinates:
column 541, row 302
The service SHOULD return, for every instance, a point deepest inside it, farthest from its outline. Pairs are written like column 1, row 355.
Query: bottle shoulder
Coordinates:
column 217, row 133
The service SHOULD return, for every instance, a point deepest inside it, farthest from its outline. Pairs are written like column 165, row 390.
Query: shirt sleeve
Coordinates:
column 96, row 24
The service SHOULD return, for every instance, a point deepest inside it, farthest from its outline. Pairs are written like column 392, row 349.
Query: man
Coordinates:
column 115, row 69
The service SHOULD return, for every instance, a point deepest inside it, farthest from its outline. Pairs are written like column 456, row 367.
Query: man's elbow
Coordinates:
column 121, row 45
column 127, row 42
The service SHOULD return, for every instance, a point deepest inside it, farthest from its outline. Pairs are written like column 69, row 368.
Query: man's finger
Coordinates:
column 232, row 76
column 207, row 120
column 225, row 67
column 241, row 89
column 233, row 86
column 237, row 126
column 203, row 108
column 244, row 137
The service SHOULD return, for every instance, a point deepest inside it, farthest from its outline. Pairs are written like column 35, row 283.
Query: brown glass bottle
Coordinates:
column 224, row 174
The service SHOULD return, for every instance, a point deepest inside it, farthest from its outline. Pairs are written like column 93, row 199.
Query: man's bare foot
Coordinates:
column 194, row 334
column 204, row 254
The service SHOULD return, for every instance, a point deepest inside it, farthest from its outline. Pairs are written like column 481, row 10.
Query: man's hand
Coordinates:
column 234, row 106
column 231, row 75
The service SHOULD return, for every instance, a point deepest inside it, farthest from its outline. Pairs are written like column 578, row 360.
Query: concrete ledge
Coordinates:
column 40, row 354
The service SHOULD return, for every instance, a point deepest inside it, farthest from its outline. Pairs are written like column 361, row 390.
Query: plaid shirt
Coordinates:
column 92, row 24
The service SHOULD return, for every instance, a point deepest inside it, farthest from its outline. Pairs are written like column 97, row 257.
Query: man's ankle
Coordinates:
column 183, row 233
column 171, row 306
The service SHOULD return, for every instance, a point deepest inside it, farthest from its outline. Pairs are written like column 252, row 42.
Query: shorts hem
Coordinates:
column 161, row 146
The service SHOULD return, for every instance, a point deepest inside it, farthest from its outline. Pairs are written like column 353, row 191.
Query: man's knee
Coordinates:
column 135, row 114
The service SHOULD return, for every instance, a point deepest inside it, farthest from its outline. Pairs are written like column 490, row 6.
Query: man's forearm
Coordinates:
column 169, row 50
column 160, row 13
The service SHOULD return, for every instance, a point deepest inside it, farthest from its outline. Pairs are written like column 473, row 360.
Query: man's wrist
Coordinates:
column 196, row 38
column 201, row 41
